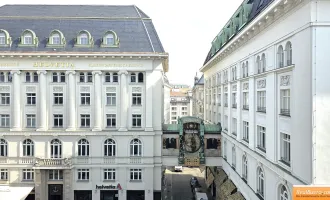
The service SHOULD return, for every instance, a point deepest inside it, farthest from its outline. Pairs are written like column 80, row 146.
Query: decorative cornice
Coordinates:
column 42, row 72
column 122, row 72
column 70, row 72
column 97, row 72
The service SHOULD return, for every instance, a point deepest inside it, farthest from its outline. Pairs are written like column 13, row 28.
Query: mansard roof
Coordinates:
column 134, row 29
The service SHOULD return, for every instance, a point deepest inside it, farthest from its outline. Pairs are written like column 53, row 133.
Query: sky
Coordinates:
column 185, row 28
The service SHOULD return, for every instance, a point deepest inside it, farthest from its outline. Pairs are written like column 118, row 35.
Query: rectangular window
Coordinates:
column 261, row 138
column 173, row 113
column 245, row 101
column 28, row 39
column 225, row 125
column 184, row 108
column 226, row 99
column 5, row 99
column 234, row 126
column 2, row 39
column 111, row 120
column 136, row 174
column 5, row 120
column 136, row 121
column 58, row 98
column 109, row 174
column 261, row 101
column 285, row 102
column 83, row 174
column 58, row 120
column 285, row 149
column 85, row 121
column 234, row 100
column 3, row 174
column 246, row 131
column 85, row 98
column 184, row 113
column 173, row 108
column 55, row 175
column 28, row 174
column 31, row 98
column 31, row 121
column 111, row 99
column 136, row 99
column 56, row 39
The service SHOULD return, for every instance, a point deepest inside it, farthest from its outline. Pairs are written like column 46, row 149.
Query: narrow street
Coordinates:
column 178, row 184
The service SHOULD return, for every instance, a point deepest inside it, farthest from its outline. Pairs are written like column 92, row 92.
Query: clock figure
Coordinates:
column 192, row 142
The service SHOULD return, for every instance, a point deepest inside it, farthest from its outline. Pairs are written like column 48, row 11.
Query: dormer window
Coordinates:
column 56, row 39
column 110, row 39
column 84, row 39
column 28, row 38
column 2, row 38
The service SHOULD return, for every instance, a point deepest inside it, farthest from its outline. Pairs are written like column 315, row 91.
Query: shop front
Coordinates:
column 83, row 195
column 55, row 192
column 16, row 192
column 109, row 191
column 135, row 195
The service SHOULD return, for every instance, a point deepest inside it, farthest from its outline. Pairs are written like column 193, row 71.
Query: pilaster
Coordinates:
column 97, row 101
column 123, row 101
column 148, row 95
column 16, row 118
column 71, row 101
column 149, row 194
column 67, row 185
column 40, row 184
column 42, row 101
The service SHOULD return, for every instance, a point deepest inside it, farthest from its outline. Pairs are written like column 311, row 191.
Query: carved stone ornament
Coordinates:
column 234, row 87
column 226, row 89
column 245, row 86
column 4, row 89
column 261, row 83
column 111, row 89
column 84, row 89
column 136, row 89
column 57, row 89
column 285, row 80
column 30, row 89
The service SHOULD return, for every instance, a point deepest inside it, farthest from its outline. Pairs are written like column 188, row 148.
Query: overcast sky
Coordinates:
column 186, row 28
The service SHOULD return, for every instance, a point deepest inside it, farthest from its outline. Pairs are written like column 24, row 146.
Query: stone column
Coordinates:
column 16, row 118
column 97, row 101
column 123, row 101
column 40, row 184
column 148, row 102
column 67, row 185
column 42, row 101
column 71, row 105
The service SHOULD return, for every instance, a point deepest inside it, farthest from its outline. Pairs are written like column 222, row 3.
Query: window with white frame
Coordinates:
column 110, row 39
column 34, row 77
column 234, row 126
column 28, row 148
column 280, row 57
column 2, row 77
column 115, row 77
column 28, row 174
column 260, row 182
column 55, row 175
column 184, row 108
column 55, row 148
column 284, row 194
column 226, row 123
column 288, row 52
column 109, row 174
column 111, row 120
column 258, row 62
column 133, row 77
column 85, row 77
column 234, row 73
column 245, row 69
column 234, row 100
column 83, row 147
column 27, row 38
column 109, row 147
column 219, row 96
column 140, row 77
column 261, row 101
column 31, row 98
column 83, row 174
column 261, row 138
column 214, row 96
column 285, row 102
column 226, row 100
column 2, row 38
column 136, row 99
column 5, row 98
column 58, row 98
column 225, row 149
column 136, row 120
column 85, row 98
column 58, row 77
column 233, row 159
column 244, row 167
column 218, row 78
column 107, row 77
column 3, row 174
column 58, row 120
column 85, row 120
column 5, row 121
column 263, row 63
column 56, row 39
column 111, row 99
column 245, row 100
column 31, row 121
column 285, row 149
column 136, row 174
column 83, row 38
column 136, row 147
column 3, row 148
column 246, row 131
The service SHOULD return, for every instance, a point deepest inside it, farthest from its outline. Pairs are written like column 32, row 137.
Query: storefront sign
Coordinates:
column 109, row 187
column 54, row 64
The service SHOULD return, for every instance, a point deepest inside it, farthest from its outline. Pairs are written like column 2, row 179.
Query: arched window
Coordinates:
column 28, row 148
column 55, row 79
column 115, row 77
column 82, row 77
column 140, row 77
column 109, row 39
column 133, row 77
column 263, row 62
column 258, row 61
column 10, row 76
column 284, row 195
column 109, row 147
column 62, row 77
column 136, row 147
column 107, row 77
column 280, row 57
column 27, row 38
column 233, row 156
column 83, row 147
column 3, row 147
column 83, row 38
column 35, row 77
column 247, row 68
column 244, row 167
column 55, row 148
column 2, row 77
column 27, row 77
column 288, row 51
column 260, row 182
column 89, row 77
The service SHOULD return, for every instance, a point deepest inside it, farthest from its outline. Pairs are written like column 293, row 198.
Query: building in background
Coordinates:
column 181, row 105
column 167, row 100
column 81, row 103
column 266, row 81
column 198, row 97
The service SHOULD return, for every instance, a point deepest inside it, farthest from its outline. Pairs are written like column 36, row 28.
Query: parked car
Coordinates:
column 178, row 168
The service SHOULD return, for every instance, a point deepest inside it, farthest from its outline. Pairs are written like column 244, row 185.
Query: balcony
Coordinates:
column 285, row 112
column 261, row 109
column 53, row 163
column 234, row 105
column 17, row 160
column 245, row 107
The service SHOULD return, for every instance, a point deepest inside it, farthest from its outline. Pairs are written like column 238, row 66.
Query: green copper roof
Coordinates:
column 212, row 128
column 170, row 127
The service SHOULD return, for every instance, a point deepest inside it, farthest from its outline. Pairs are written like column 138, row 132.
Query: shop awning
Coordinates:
column 209, row 180
column 11, row 192
column 236, row 196
column 226, row 188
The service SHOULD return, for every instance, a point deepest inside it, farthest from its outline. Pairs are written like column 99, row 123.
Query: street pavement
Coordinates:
column 177, row 184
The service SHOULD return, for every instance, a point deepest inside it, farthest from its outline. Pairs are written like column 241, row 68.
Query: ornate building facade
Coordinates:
column 81, row 103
